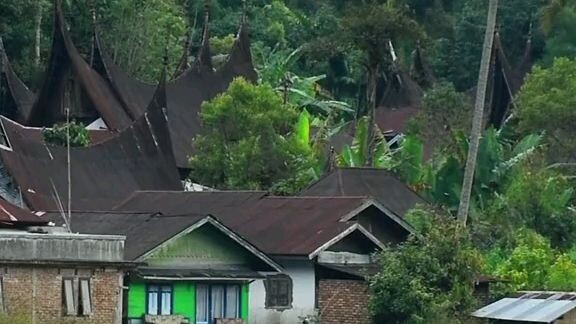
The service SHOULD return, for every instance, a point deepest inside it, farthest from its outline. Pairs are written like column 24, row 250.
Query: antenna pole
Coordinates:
column 69, row 168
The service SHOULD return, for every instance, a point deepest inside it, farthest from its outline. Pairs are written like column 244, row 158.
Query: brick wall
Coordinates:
column 343, row 301
column 34, row 294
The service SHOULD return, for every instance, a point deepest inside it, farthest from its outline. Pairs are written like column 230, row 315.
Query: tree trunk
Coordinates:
column 38, row 23
column 371, row 105
column 477, row 121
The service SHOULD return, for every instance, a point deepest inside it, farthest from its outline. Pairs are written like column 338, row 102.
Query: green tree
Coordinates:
column 498, row 156
column 546, row 102
column 58, row 135
column 538, row 199
column 445, row 112
column 249, row 142
column 427, row 279
column 530, row 263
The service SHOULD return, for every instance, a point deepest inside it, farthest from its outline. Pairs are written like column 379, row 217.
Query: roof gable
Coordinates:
column 381, row 185
column 208, row 243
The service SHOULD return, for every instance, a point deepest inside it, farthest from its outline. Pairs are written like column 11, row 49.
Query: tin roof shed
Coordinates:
column 534, row 307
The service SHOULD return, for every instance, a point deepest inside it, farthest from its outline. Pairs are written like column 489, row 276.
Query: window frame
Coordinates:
column 159, row 298
column 278, row 279
column 210, row 285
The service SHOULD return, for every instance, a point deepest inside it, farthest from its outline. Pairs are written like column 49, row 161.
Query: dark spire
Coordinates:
column 204, row 59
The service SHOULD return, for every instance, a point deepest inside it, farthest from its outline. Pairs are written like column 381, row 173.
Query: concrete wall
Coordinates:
column 303, row 301
column 29, row 247
column 34, row 294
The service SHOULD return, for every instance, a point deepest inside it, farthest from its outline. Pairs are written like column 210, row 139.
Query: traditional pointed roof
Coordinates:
column 503, row 84
column 137, row 158
column 186, row 93
column 66, row 61
column 19, row 99
column 527, row 60
column 421, row 70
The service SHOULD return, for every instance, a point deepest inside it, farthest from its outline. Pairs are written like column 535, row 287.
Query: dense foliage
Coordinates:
column 429, row 278
column 318, row 63
column 58, row 135
column 248, row 141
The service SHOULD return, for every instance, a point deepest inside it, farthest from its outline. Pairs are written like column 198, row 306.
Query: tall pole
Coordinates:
column 477, row 121
column 69, row 168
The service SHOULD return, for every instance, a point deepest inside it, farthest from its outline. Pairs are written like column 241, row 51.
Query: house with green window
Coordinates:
column 191, row 268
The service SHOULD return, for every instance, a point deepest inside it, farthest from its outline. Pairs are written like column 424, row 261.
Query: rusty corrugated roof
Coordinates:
column 138, row 158
column 11, row 215
column 379, row 184
column 277, row 225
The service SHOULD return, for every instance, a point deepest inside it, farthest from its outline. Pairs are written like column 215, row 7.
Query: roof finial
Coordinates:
column 244, row 11
column 206, row 11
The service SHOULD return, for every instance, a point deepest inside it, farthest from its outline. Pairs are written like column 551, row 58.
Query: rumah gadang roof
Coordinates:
column 277, row 225
column 533, row 307
column 16, row 99
column 14, row 216
column 505, row 80
column 138, row 158
column 379, row 184
column 97, row 98
column 187, row 92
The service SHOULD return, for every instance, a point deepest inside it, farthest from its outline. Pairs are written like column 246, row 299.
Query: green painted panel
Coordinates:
column 204, row 246
column 244, row 302
column 185, row 299
column 136, row 300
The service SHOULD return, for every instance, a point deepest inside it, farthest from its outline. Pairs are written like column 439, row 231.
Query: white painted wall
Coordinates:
column 303, row 283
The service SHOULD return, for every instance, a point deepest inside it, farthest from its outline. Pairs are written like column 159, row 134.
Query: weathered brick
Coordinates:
column 35, row 293
column 343, row 301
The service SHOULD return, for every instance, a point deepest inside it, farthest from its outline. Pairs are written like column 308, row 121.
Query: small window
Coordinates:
column 278, row 291
column 85, row 301
column 76, row 297
column 159, row 300
column 4, row 141
column 69, row 301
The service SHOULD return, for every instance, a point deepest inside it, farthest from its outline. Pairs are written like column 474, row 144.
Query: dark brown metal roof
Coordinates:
column 19, row 100
column 138, row 158
column 379, row 184
column 98, row 97
column 11, row 215
column 146, row 231
column 186, row 93
column 143, row 231
column 421, row 70
column 276, row 225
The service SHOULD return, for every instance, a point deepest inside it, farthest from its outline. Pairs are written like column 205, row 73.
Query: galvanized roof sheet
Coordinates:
column 530, row 307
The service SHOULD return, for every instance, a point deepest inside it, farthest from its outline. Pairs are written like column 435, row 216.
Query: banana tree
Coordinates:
column 497, row 156
column 357, row 154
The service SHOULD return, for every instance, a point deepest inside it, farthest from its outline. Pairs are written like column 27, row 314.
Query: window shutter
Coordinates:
column 69, row 297
column 85, row 297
